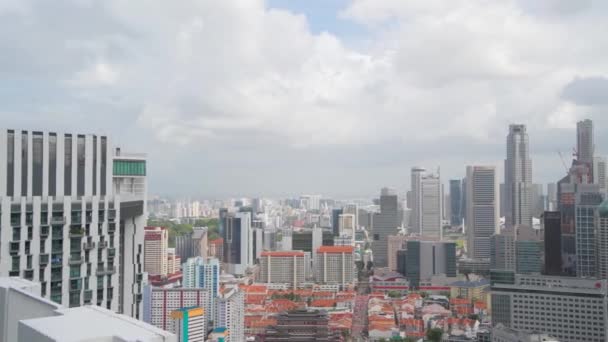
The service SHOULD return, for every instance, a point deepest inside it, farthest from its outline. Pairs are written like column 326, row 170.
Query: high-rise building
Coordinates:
column 553, row 242
column 73, row 213
column 193, row 244
column 455, row 202
column 518, row 178
column 203, row 273
column 428, row 258
column 482, row 210
column 284, row 267
column 537, row 200
column 502, row 255
column 238, row 251
column 395, row 243
column 601, row 239
column 427, row 203
column 385, row 223
column 160, row 302
column 189, row 324
column 302, row 325
column 570, row 309
column 230, row 313
column 336, row 265
column 156, row 243
column 599, row 173
column 585, row 145
column 588, row 199
column 335, row 220
column 516, row 249
column 348, row 226
column 551, row 197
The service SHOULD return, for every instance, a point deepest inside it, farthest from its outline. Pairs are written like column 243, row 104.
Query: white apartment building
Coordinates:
column 203, row 273
column 482, row 206
column 189, row 324
column 566, row 308
column 156, row 244
column 284, row 267
column 230, row 314
column 336, row 265
column 159, row 303
column 73, row 213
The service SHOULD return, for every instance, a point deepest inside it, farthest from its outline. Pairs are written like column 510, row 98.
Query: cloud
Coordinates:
column 587, row 91
column 233, row 76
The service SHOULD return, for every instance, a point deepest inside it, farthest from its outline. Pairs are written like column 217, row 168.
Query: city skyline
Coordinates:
column 329, row 93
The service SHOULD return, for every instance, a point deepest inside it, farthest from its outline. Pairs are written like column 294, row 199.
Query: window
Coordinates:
column 94, row 165
column 67, row 164
column 129, row 168
column 24, row 163
column 104, row 153
column 10, row 162
column 52, row 164
column 37, row 148
column 80, row 160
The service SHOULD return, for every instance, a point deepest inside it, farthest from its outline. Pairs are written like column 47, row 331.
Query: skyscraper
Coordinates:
column 385, row 223
column 482, row 210
column 456, row 202
column 428, row 258
column 427, row 203
column 230, row 313
column 601, row 239
column 585, row 145
column 156, row 243
column 238, row 240
column 335, row 220
column 189, row 324
column 73, row 215
column 599, row 173
column 553, row 242
column 518, row 178
column 588, row 199
column 203, row 273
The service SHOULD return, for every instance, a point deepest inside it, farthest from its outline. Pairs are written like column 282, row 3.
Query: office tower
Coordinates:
column 352, row 209
column 601, row 238
column 310, row 202
column 189, row 324
column 336, row 265
column 335, row 220
column 402, row 261
column 537, row 200
column 156, row 243
column 238, row 251
column 482, row 210
column 385, row 223
column 502, row 195
column 303, row 325
column 223, row 212
column 588, row 199
column 455, row 202
column 551, row 197
column 257, row 204
column 585, row 145
column 427, row 203
column 193, row 244
column 230, row 313
column 570, row 309
column 216, row 249
column 551, row 221
column 502, row 256
column 257, row 243
column 528, row 251
column 73, row 211
column 428, row 258
column 395, row 243
column 284, row 267
column 518, row 178
column 160, row 302
column 599, row 173
column 308, row 240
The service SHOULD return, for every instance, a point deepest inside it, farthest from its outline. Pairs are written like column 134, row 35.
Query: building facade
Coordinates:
column 203, row 273
column 427, row 208
column 238, row 243
column 156, row 244
column 159, row 303
column 570, row 309
column 193, row 244
column 385, row 223
column 518, row 178
column 552, row 242
column 428, row 258
column 456, row 214
column 230, row 314
column 73, row 213
column 189, row 324
column 395, row 243
column 284, row 267
column 336, row 265
column 482, row 210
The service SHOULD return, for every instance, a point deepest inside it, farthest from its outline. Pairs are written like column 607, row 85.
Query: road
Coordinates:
column 359, row 330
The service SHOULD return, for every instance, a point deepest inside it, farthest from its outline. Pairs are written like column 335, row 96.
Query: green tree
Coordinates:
column 394, row 294
column 434, row 335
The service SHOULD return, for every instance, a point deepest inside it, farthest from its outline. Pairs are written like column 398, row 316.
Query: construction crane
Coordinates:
column 563, row 161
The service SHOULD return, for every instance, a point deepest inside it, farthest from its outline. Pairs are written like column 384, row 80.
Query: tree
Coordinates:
column 394, row 294
column 434, row 335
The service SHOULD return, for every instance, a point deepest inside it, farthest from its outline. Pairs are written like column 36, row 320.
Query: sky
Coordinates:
column 282, row 97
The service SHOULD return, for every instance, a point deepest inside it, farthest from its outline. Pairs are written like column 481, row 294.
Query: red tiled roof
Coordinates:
column 336, row 249
column 282, row 253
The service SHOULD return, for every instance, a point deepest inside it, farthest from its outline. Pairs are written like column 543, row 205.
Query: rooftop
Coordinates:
column 336, row 249
column 279, row 254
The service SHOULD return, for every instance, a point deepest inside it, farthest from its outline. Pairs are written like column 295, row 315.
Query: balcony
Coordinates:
column 111, row 228
column 75, row 260
column 56, row 261
column 87, row 246
column 14, row 248
column 88, row 296
column 57, row 249
column 76, row 232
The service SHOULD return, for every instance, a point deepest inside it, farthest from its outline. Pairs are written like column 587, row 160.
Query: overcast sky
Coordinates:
column 338, row 97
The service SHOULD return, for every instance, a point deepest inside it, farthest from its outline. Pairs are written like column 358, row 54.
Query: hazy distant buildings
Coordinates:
column 193, row 244
column 427, row 199
column 395, row 243
column 156, row 243
column 518, row 178
column 335, row 221
column 585, row 145
column 599, row 173
column 482, row 210
column 385, row 223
